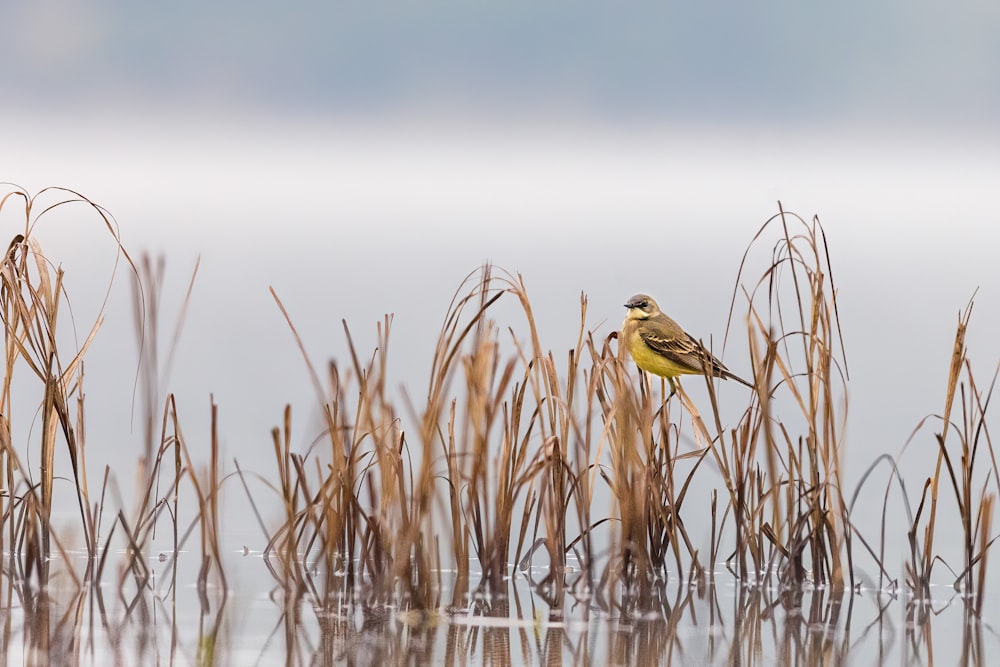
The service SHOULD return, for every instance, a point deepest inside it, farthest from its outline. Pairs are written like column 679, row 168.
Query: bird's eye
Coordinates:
column 644, row 305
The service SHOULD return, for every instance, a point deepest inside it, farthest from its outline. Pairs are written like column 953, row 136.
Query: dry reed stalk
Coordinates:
column 566, row 477
column 31, row 293
column 628, row 431
column 206, row 492
column 323, row 517
column 283, row 543
column 465, row 449
column 796, row 502
column 956, row 468
column 370, row 451
column 489, row 474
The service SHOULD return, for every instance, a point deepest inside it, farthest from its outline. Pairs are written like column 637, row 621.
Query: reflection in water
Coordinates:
column 119, row 623
column 710, row 622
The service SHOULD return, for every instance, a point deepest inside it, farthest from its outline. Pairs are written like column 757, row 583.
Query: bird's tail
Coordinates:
column 726, row 375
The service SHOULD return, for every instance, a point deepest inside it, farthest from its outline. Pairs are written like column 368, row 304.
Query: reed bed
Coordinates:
column 569, row 469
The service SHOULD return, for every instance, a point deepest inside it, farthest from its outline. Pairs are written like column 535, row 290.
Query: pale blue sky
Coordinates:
column 772, row 62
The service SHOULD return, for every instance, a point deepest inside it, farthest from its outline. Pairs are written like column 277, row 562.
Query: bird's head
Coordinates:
column 641, row 307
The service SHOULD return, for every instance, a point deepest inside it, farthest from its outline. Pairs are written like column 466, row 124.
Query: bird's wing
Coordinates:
column 682, row 350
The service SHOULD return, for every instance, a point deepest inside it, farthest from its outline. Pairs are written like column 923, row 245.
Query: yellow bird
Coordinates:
column 661, row 347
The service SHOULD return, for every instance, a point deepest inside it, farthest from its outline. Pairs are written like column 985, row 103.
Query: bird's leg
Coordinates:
column 673, row 388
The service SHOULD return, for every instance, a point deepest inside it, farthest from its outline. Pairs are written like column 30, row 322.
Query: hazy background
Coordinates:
column 362, row 159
